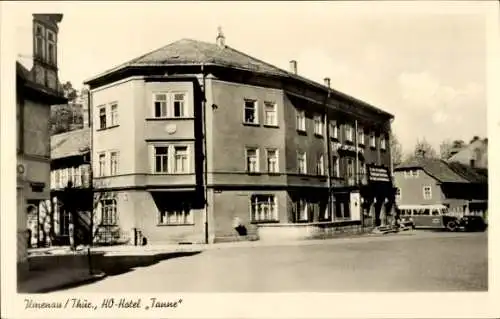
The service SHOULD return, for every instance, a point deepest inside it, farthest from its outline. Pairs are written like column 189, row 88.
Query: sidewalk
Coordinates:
column 40, row 281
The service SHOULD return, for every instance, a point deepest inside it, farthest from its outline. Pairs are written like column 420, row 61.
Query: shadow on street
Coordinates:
column 120, row 264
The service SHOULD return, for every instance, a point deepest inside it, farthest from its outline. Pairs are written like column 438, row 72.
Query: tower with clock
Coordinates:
column 45, row 36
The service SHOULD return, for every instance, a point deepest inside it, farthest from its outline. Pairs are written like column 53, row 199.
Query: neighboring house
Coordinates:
column 195, row 139
column 36, row 90
column 475, row 154
column 70, row 161
column 461, row 188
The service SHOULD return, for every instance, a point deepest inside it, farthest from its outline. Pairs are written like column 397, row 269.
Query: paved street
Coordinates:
column 421, row 262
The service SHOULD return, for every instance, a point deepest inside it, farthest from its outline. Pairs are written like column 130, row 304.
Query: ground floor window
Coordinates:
column 177, row 214
column 108, row 212
column 264, row 208
column 302, row 211
column 342, row 210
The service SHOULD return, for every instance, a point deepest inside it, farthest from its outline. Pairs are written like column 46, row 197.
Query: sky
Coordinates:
column 426, row 64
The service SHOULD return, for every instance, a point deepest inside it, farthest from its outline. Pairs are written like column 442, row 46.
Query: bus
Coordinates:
column 428, row 217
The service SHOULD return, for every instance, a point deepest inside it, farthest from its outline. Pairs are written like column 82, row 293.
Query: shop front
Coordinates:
column 378, row 197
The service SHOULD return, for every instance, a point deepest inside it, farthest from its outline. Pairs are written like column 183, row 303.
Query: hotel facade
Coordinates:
column 198, row 142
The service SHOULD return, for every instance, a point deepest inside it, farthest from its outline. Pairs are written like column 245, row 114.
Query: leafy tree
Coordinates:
column 424, row 150
column 396, row 150
column 69, row 92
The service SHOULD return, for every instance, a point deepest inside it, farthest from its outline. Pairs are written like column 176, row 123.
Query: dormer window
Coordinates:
column 51, row 47
column 39, row 41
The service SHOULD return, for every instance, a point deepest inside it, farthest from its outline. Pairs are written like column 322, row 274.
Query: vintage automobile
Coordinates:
column 472, row 223
column 427, row 217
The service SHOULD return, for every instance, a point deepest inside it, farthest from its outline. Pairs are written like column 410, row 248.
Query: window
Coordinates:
column 160, row 104
column 51, row 47
column 372, row 140
column 77, row 177
column 252, row 157
column 398, row 194
column 361, row 137
column 178, row 214
column 414, row 172
column 301, row 120
column 382, row 143
column 301, row 163
column 181, row 159
column 113, row 163
column 102, row 117
column 427, row 192
column 179, row 105
column 336, row 166
column 348, row 133
column 320, row 165
column 251, row 116
column 272, row 161
column 39, row 41
column 362, row 172
column 271, row 117
column 102, row 164
column 161, row 159
column 301, row 211
column 114, row 114
column 264, row 208
column 318, row 125
column 108, row 212
column 350, row 171
column 334, row 130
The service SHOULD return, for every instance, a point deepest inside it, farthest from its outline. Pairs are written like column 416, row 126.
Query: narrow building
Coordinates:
column 37, row 89
column 199, row 142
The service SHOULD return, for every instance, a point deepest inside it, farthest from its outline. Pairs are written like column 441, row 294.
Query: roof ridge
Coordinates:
column 63, row 134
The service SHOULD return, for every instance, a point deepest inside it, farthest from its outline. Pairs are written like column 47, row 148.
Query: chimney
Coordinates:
column 220, row 40
column 293, row 66
column 327, row 82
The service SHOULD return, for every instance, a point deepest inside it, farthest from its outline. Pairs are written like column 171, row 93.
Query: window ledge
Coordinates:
column 254, row 173
column 271, row 126
column 107, row 128
column 301, row 132
column 187, row 224
column 383, row 149
column 171, row 174
column 169, row 118
column 257, row 222
column 373, row 147
column 251, row 124
column 274, row 173
column 318, row 135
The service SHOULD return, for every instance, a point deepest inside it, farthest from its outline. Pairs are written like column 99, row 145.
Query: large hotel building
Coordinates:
column 198, row 142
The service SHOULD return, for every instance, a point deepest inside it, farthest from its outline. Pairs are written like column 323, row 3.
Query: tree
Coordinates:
column 396, row 150
column 69, row 92
column 424, row 150
column 445, row 149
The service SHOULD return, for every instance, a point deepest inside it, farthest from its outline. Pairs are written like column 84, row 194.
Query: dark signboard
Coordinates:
column 378, row 174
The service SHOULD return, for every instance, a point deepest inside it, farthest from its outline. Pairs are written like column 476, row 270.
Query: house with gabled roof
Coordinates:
column 200, row 142
column 461, row 188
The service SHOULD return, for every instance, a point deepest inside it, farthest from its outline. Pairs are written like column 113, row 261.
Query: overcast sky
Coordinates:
column 426, row 65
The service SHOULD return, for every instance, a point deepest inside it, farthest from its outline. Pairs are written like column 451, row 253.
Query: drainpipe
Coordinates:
column 91, row 180
column 205, row 157
column 329, row 153
column 356, row 169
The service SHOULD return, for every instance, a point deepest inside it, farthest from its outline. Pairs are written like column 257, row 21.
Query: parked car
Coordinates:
column 473, row 223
